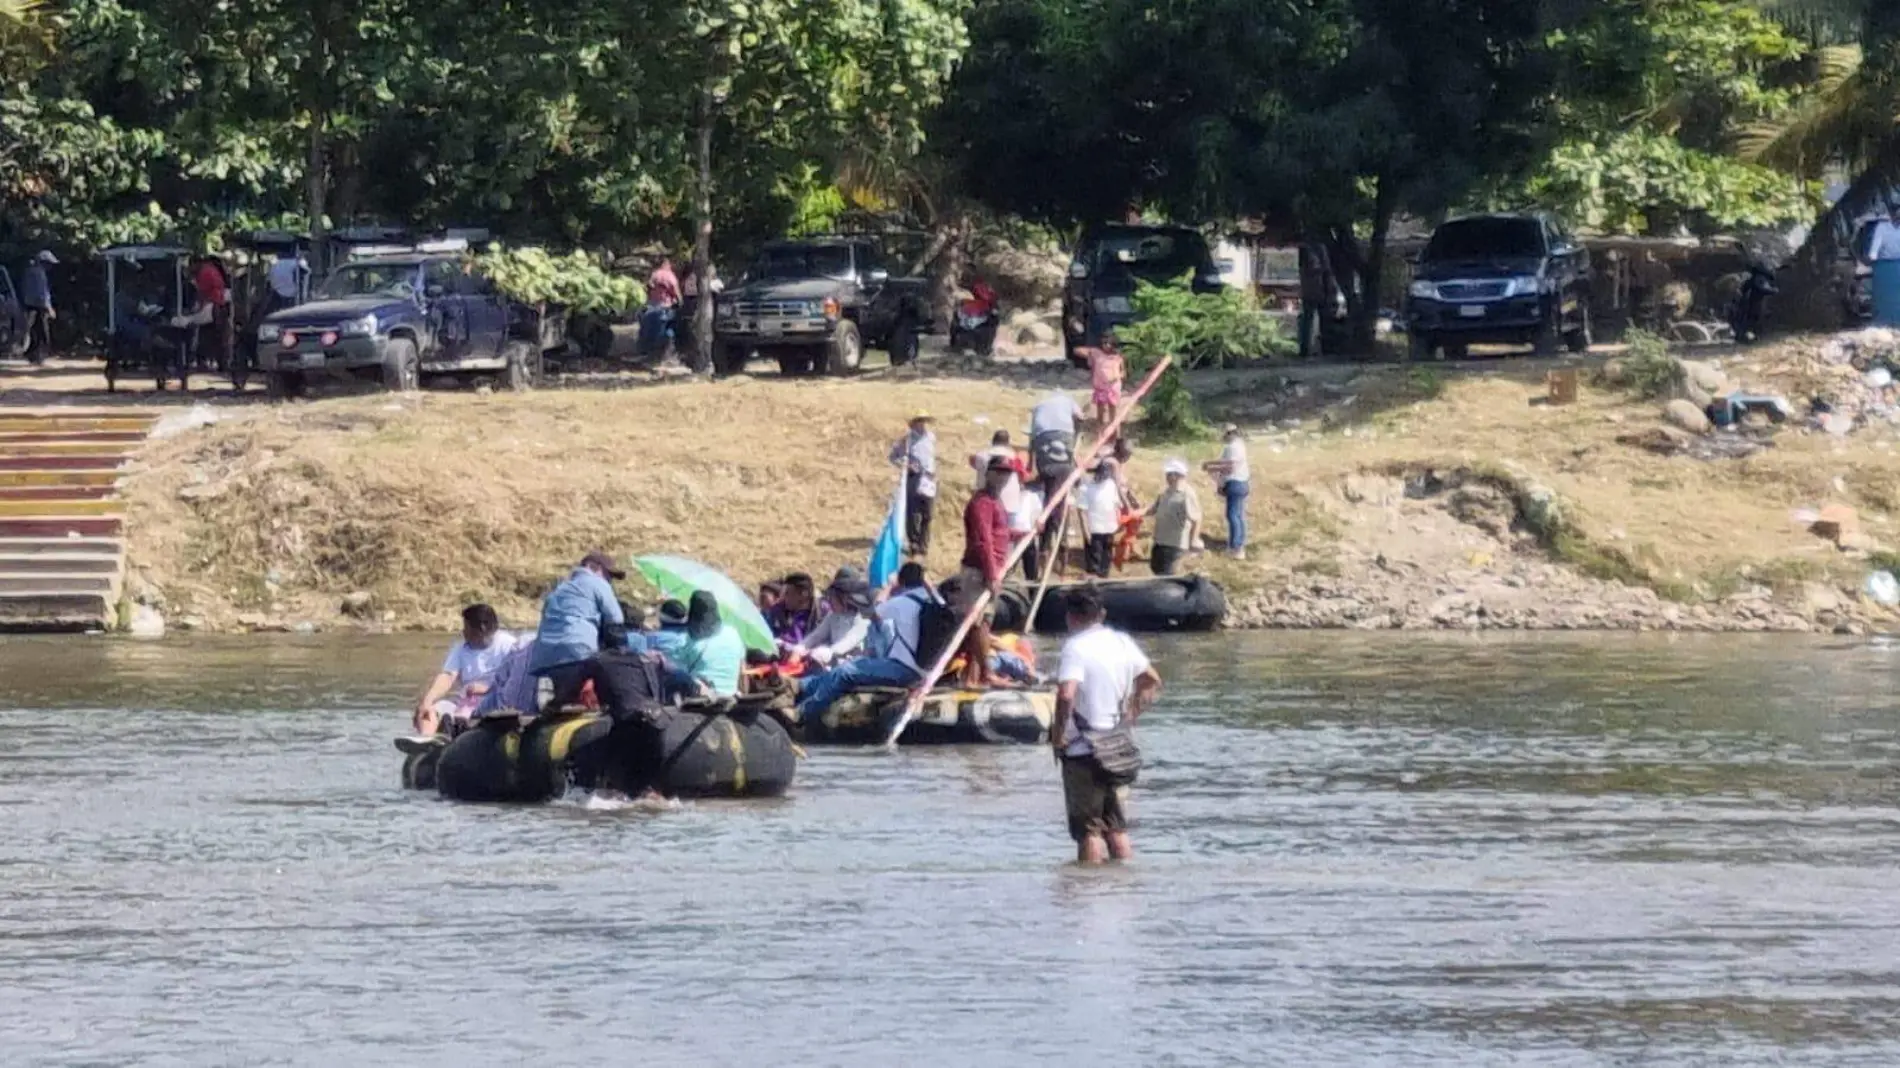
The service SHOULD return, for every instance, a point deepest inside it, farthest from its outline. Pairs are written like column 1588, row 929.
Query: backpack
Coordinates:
column 936, row 627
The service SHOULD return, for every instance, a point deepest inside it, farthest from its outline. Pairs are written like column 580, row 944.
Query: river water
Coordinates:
column 1352, row 851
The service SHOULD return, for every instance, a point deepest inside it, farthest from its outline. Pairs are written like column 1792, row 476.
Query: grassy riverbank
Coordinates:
column 1537, row 515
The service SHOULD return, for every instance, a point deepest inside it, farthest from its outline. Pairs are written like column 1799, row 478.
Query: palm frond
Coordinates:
column 1847, row 116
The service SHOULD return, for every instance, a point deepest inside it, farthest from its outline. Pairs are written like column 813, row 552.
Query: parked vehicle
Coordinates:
column 1500, row 279
column 814, row 305
column 12, row 318
column 1749, row 309
column 978, row 319
column 395, row 317
column 1111, row 261
column 145, row 292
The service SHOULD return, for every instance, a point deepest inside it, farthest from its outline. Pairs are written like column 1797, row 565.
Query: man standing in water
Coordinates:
column 1104, row 680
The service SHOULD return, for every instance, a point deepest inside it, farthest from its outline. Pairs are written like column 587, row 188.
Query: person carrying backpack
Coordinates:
column 910, row 632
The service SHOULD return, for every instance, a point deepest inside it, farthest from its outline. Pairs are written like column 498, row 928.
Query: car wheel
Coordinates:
column 730, row 359
column 903, row 343
column 845, row 352
column 1544, row 342
column 402, row 368
column 1578, row 340
column 521, row 359
column 1422, row 347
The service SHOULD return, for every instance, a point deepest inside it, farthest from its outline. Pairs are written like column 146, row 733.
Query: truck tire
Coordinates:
column 845, row 352
column 1422, row 347
column 1578, row 340
column 282, row 385
column 1545, row 341
column 903, row 343
column 402, row 367
column 730, row 359
column 522, row 372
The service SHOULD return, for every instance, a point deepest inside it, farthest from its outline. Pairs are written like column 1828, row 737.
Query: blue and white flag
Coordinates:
column 887, row 555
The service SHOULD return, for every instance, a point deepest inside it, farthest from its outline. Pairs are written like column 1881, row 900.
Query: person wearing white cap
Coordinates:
column 1177, row 516
column 36, row 298
column 916, row 453
column 1235, row 480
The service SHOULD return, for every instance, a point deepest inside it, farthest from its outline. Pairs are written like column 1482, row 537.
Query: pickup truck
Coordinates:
column 398, row 316
column 815, row 304
column 1500, row 279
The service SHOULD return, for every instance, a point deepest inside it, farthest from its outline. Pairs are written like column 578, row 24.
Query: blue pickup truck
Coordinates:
column 397, row 316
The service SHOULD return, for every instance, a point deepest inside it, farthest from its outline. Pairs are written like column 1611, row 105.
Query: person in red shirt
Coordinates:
column 215, row 338
column 986, row 545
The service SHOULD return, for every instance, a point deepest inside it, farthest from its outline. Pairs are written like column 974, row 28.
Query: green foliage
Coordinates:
column 1640, row 181
column 1198, row 330
column 574, row 281
column 1648, row 368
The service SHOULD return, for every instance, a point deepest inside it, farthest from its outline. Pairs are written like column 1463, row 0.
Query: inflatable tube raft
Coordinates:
column 708, row 753
column 1150, row 605
column 948, row 717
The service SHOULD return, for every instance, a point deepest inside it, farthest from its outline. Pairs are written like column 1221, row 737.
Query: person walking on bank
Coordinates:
column 36, row 298
column 916, row 453
column 1177, row 516
column 1231, row 473
column 1104, row 684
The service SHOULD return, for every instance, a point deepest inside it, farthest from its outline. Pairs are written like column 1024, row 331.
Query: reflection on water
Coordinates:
column 1355, row 850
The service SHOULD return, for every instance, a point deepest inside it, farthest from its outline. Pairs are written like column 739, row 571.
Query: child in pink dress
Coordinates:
column 1105, row 379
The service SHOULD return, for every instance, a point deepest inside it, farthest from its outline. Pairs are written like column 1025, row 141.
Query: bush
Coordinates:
column 1199, row 330
column 1648, row 370
column 574, row 281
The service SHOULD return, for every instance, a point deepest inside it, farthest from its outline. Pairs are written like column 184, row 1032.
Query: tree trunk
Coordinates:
column 316, row 182
column 1365, row 322
column 1349, row 269
column 702, row 235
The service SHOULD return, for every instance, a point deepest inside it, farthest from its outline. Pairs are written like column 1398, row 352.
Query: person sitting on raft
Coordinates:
column 714, row 654
column 572, row 618
column 514, row 688
column 468, row 672
column 846, row 624
column 894, row 639
column 671, row 637
column 794, row 614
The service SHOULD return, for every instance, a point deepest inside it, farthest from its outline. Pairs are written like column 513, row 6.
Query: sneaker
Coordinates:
column 1240, row 554
column 420, row 743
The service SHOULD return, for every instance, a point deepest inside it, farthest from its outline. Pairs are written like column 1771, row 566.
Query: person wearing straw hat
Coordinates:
column 1177, row 516
column 916, row 453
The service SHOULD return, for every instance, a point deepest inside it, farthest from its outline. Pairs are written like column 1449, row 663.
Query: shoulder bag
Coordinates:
column 1117, row 758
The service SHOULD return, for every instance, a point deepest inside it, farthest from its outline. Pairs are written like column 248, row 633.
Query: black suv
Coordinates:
column 815, row 304
column 1111, row 260
column 1500, row 279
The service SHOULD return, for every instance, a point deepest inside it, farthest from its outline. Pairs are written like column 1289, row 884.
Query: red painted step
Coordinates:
column 54, row 493
column 101, row 526
column 61, row 463
column 75, row 437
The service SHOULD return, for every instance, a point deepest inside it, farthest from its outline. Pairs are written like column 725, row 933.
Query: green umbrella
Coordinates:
column 677, row 579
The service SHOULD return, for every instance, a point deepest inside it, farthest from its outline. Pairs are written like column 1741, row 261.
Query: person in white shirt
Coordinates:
column 468, row 672
column 1000, row 447
column 1101, row 504
column 916, row 453
column 1104, row 679
column 1235, row 480
column 847, row 621
column 1022, row 528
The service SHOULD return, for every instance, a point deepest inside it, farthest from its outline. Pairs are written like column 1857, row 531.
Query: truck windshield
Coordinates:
column 371, row 280
column 1477, row 239
column 804, row 261
column 1152, row 255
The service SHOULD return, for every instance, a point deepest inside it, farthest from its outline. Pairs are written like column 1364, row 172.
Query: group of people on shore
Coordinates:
column 1104, row 505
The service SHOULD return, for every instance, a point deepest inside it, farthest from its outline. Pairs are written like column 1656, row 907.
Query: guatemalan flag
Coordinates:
column 888, row 554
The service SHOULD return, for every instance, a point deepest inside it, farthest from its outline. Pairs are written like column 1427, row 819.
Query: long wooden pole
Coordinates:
column 1048, row 572
column 982, row 602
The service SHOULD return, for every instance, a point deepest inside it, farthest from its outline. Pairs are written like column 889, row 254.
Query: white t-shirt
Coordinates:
column 1103, row 664
column 1058, row 411
column 1886, row 243
column 901, row 614
column 1235, row 453
column 1022, row 518
column 1101, row 506
column 478, row 665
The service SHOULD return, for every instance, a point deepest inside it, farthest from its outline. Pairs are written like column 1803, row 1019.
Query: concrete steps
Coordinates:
column 62, row 557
